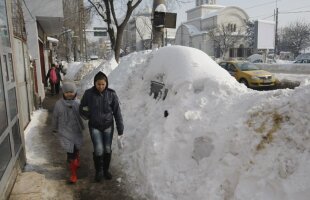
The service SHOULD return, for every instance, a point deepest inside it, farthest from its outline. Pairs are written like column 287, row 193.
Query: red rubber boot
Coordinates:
column 73, row 169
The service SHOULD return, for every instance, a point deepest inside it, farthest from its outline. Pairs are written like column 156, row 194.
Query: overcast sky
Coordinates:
column 265, row 9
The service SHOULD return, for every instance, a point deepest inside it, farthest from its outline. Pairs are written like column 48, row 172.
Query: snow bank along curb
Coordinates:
column 286, row 68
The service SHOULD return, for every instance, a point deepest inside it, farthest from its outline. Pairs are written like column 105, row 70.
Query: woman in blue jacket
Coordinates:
column 100, row 105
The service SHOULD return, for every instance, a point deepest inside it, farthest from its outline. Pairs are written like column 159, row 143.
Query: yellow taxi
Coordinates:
column 249, row 74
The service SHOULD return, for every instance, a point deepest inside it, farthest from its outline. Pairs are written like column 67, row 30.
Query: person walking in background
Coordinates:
column 54, row 78
column 99, row 105
column 57, row 84
column 68, row 125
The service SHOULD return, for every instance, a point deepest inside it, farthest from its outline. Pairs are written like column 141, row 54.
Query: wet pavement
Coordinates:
column 54, row 167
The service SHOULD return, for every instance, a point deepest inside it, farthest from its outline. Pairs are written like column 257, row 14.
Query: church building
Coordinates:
column 206, row 17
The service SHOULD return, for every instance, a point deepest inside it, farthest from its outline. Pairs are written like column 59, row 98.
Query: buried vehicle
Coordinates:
column 249, row 74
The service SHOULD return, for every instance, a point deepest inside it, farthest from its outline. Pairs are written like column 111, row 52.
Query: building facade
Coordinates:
column 207, row 16
column 43, row 18
column 23, row 34
column 12, row 120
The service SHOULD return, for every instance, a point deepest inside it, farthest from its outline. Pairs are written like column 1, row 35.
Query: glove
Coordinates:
column 120, row 142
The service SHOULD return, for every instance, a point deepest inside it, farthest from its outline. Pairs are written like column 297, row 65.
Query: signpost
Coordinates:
column 100, row 31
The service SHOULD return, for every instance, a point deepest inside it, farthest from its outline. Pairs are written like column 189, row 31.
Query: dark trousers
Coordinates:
column 72, row 156
column 57, row 87
column 53, row 88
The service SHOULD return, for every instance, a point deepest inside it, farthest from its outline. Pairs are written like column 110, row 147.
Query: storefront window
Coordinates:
column 12, row 102
column 11, row 72
column 16, row 137
column 6, row 72
column 4, row 29
column 5, row 154
column 3, row 115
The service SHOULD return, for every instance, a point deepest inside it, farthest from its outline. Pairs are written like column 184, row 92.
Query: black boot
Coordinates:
column 106, row 165
column 99, row 167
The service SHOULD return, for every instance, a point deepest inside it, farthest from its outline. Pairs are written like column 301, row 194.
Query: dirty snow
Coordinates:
column 219, row 141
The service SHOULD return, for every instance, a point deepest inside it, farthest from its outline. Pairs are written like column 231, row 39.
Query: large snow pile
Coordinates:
column 87, row 80
column 292, row 68
column 77, row 70
column 220, row 140
column 73, row 69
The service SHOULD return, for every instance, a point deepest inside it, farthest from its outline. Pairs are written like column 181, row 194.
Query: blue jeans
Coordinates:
column 102, row 140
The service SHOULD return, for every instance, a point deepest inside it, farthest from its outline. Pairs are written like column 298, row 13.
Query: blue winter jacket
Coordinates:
column 99, row 109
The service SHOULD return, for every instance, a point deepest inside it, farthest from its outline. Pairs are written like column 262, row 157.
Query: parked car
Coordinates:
column 249, row 74
column 302, row 61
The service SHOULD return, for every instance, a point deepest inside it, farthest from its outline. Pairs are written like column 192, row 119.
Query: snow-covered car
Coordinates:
column 249, row 74
column 302, row 61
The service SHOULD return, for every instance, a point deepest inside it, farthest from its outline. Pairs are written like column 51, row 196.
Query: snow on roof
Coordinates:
column 161, row 8
column 207, row 6
column 254, row 57
column 211, row 14
column 193, row 30
column 52, row 39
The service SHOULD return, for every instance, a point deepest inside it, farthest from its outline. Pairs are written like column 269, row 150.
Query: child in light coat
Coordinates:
column 69, row 126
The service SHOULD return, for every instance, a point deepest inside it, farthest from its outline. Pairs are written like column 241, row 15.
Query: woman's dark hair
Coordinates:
column 101, row 76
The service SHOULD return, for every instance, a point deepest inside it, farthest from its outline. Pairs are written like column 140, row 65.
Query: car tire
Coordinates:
column 245, row 82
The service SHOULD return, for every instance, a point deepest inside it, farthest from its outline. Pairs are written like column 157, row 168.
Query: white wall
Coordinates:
column 33, row 48
column 198, row 38
column 182, row 36
column 21, row 87
column 209, row 23
column 196, row 23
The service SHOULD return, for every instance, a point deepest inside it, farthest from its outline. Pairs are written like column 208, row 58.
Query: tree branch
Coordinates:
column 96, row 9
column 113, row 13
column 130, row 8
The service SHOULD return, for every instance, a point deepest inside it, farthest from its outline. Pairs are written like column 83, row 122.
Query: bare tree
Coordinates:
column 250, row 33
column 69, row 38
column 295, row 37
column 144, row 29
column 106, row 10
column 224, row 38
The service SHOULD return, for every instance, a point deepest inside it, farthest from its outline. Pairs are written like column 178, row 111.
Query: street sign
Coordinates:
column 100, row 31
column 170, row 20
column 165, row 19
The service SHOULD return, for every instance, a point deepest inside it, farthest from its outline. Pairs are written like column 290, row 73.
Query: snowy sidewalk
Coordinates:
column 45, row 175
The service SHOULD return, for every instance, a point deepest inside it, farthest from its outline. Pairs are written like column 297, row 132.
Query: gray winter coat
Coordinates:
column 67, row 121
